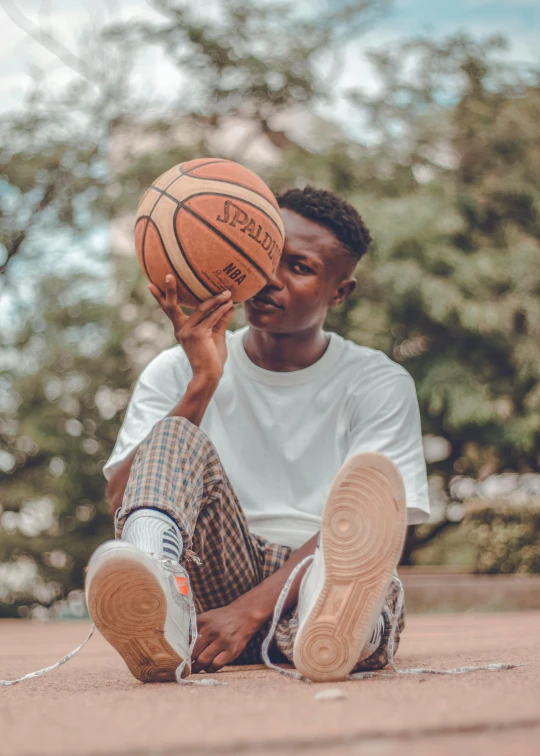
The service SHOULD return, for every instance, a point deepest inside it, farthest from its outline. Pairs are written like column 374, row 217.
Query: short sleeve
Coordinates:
column 158, row 390
column 386, row 419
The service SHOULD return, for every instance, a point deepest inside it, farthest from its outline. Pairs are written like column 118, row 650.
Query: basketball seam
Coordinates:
column 182, row 204
column 162, row 193
column 235, row 183
column 217, row 194
column 143, row 254
column 186, row 258
column 210, row 161
column 225, row 238
column 170, row 261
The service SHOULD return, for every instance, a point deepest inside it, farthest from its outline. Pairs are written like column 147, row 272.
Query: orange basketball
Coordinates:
column 215, row 225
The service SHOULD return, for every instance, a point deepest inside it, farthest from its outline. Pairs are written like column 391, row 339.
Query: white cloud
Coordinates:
column 156, row 74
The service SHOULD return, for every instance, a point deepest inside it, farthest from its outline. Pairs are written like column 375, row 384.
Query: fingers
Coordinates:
column 169, row 302
column 173, row 307
column 205, row 659
column 171, row 292
column 207, row 313
column 223, row 323
column 202, row 310
column 204, row 638
column 155, row 292
column 226, row 309
column 220, row 661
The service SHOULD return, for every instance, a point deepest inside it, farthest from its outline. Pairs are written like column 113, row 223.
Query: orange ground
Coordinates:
column 93, row 706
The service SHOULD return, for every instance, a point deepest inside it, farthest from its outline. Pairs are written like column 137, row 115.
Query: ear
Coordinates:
column 342, row 292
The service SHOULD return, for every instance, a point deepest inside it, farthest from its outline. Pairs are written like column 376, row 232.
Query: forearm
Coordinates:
column 195, row 401
column 192, row 406
column 260, row 601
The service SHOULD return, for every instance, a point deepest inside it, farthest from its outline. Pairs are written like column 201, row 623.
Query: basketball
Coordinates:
column 212, row 223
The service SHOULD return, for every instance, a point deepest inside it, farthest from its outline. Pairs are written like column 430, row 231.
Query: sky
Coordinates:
column 518, row 20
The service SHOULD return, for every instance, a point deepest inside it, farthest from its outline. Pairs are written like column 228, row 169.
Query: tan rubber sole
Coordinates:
column 129, row 608
column 362, row 533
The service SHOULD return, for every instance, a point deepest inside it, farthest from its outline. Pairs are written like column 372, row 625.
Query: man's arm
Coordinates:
column 202, row 334
column 260, row 602
column 225, row 632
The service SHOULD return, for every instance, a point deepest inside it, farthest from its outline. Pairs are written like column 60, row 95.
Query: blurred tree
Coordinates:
column 252, row 59
column 54, row 165
column 65, row 378
column 76, row 345
column 448, row 182
column 249, row 63
column 452, row 287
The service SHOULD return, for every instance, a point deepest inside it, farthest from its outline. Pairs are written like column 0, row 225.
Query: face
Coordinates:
column 314, row 273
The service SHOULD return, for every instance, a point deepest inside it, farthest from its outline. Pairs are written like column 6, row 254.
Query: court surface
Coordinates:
column 92, row 705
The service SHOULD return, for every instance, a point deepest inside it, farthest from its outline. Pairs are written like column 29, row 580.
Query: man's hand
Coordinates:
column 223, row 635
column 201, row 334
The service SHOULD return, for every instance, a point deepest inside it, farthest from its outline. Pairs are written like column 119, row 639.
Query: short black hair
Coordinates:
column 330, row 210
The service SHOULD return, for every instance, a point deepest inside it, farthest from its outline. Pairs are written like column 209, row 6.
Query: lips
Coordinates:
column 263, row 301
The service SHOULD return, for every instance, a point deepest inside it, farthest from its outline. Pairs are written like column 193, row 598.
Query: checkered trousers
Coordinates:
column 177, row 470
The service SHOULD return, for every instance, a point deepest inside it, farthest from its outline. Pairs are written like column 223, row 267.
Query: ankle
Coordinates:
column 154, row 532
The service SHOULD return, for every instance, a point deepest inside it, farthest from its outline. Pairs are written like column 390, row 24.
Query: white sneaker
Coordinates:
column 343, row 591
column 144, row 608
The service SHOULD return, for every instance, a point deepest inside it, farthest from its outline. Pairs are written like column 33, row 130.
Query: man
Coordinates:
column 242, row 454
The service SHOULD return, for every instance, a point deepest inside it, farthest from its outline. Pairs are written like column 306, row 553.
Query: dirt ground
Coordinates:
column 93, row 706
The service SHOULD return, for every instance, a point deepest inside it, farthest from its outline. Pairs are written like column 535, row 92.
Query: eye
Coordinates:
column 301, row 268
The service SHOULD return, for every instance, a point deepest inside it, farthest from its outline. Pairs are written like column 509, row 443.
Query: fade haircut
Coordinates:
column 329, row 210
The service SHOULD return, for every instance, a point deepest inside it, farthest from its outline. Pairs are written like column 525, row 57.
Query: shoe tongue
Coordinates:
column 173, row 567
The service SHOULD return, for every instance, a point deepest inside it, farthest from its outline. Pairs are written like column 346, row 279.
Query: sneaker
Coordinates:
column 143, row 607
column 343, row 592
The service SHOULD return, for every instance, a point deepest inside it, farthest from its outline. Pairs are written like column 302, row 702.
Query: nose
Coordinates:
column 274, row 280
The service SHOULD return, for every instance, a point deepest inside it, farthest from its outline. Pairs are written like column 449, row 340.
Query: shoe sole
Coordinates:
column 362, row 534
column 129, row 608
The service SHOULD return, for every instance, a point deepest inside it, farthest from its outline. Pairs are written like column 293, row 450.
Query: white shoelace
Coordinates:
column 193, row 635
column 266, row 645
column 363, row 675
column 44, row 671
column 193, row 639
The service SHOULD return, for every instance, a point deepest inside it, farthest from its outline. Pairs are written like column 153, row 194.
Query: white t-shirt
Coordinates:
column 282, row 437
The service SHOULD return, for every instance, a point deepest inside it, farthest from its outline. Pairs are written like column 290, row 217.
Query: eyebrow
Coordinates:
column 301, row 256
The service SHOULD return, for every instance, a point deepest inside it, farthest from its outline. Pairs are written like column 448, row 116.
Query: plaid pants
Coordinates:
column 177, row 470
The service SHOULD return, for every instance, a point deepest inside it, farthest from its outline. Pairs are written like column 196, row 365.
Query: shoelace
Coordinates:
column 363, row 675
column 193, row 639
column 266, row 645
column 180, row 669
column 44, row 671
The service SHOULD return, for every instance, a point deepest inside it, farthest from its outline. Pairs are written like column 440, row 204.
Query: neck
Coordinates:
column 285, row 352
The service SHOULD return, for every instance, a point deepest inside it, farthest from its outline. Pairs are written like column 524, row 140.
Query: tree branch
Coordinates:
column 45, row 39
column 49, row 196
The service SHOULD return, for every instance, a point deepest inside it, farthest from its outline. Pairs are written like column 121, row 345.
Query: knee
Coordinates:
column 176, row 424
column 181, row 431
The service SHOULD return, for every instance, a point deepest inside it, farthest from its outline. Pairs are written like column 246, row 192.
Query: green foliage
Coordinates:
column 65, row 379
column 448, row 182
column 456, row 266
column 505, row 537
column 250, row 58
column 57, row 440
column 48, row 182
